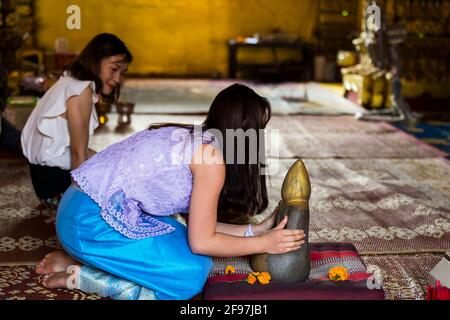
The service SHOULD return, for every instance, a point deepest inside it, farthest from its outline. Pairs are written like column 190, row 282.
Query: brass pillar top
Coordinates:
column 296, row 187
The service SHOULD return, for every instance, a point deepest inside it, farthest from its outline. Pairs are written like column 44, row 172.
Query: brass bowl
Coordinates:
column 102, row 109
column 125, row 107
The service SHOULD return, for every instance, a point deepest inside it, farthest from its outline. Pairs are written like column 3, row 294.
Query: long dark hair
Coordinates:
column 244, row 193
column 86, row 65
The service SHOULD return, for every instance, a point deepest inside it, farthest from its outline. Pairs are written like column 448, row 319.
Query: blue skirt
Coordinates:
column 164, row 264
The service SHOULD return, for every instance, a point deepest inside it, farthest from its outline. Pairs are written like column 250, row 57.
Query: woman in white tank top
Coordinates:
column 56, row 135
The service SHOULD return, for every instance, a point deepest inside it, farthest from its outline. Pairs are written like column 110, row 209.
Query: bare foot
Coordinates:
column 55, row 280
column 56, row 261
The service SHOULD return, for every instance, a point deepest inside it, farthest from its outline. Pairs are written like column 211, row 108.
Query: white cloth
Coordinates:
column 45, row 137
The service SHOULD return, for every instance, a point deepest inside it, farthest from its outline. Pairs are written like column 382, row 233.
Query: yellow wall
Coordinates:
column 174, row 37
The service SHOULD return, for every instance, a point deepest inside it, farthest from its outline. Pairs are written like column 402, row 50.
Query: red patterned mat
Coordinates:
column 324, row 256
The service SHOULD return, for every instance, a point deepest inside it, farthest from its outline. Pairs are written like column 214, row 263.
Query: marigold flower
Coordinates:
column 251, row 279
column 230, row 269
column 262, row 277
column 266, row 275
column 338, row 274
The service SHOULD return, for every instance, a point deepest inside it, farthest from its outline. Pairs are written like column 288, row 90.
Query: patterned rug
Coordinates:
column 345, row 137
column 436, row 133
column 300, row 137
column 403, row 277
column 25, row 237
column 20, row 282
column 168, row 96
column 379, row 205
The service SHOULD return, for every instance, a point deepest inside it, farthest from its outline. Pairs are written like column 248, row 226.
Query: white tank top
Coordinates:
column 45, row 137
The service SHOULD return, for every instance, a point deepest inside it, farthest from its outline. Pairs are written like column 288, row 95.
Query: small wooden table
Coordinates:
column 304, row 67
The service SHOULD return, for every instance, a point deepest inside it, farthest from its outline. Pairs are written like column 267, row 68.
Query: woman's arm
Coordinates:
column 79, row 110
column 91, row 153
column 203, row 237
column 232, row 229
column 239, row 230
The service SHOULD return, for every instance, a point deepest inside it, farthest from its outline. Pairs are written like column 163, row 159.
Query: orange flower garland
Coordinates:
column 262, row 277
column 338, row 274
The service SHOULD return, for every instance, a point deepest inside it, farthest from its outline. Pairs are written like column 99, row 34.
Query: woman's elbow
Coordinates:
column 198, row 247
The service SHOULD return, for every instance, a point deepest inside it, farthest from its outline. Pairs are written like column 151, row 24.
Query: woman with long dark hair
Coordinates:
column 56, row 135
column 117, row 219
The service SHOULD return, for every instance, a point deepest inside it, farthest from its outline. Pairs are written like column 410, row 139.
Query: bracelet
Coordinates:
column 249, row 232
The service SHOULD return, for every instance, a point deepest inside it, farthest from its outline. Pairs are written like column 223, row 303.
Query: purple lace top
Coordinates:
column 143, row 176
